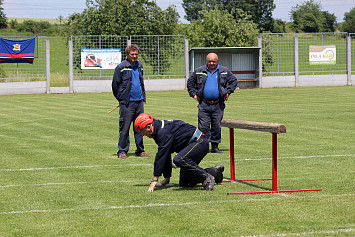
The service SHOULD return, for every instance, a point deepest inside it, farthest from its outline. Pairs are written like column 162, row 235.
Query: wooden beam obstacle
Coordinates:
column 272, row 128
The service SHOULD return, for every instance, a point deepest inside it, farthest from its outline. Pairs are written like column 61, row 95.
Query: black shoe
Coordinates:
column 219, row 173
column 208, row 183
column 214, row 148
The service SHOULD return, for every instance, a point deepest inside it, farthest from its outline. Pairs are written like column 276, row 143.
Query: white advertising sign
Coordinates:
column 100, row 58
column 322, row 54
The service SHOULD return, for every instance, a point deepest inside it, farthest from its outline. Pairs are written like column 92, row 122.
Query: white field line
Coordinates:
column 44, row 139
column 89, row 182
column 171, row 204
column 205, row 161
column 71, row 167
column 73, row 183
column 333, row 232
column 25, row 121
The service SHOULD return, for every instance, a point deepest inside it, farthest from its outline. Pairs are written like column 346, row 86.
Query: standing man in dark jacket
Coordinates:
column 211, row 85
column 128, row 88
column 191, row 147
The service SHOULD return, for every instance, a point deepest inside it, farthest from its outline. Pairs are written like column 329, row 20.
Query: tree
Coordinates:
column 308, row 17
column 217, row 30
column 194, row 8
column 3, row 18
column 123, row 17
column 330, row 20
column 279, row 26
column 60, row 18
column 349, row 21
column 259, row 10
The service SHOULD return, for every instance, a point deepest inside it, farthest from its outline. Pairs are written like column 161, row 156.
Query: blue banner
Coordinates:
column 17, row 51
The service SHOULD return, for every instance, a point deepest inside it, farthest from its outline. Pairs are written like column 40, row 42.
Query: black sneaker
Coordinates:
column 219, row 173
column 208, row 183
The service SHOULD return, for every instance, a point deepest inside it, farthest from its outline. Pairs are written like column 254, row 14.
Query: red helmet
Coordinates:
column 142, row 120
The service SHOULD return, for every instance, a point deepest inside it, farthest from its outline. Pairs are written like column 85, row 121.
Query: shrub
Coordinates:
column 34, row 27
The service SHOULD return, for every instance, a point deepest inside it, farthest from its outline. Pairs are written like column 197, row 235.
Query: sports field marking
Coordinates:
column 45, row 139
column 71, row 183
column 71, row 167
column 25, row 121
column 335, row 232
column 171, row 204
column 205, row 161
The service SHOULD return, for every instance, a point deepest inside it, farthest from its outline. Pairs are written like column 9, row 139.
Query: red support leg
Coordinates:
column 274, row 162
column 231, row 148
column 232, row 165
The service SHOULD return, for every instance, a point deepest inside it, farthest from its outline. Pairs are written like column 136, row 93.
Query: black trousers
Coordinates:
column 188, row 161
column 128, row 113
column 209, row 120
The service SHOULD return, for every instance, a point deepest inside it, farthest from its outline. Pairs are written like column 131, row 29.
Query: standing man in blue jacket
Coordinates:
column 191, row 146
column 128, row 88
column 211, row 85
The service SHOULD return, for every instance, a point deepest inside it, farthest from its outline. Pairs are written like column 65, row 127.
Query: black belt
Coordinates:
column 212, row 102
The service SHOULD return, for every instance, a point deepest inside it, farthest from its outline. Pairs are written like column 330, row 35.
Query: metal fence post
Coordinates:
column 70, row 46
column 296, row 61
column 260, row 61
column 48, row 67
column 186, row 56
column 348, row 59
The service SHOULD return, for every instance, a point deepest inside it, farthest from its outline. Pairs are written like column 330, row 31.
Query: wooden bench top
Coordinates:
column 256, row 126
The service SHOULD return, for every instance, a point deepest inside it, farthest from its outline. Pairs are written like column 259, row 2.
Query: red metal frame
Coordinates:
column 231, row 140
column 281, row 191
column 274, row 169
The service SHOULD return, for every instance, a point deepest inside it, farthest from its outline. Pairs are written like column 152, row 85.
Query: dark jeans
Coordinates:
column 188, row 159
column 128, row 114
column 209, row 120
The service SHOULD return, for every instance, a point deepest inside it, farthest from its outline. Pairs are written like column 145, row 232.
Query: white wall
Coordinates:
column 11, row 88
column 306, row 80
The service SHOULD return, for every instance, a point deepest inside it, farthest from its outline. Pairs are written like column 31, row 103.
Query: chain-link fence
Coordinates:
column 352, row 42
column 279, row 53
column 25, row 72
column 162, row 55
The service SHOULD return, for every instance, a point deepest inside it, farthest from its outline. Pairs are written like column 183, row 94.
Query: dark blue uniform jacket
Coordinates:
column 122, row 81
column 170, row 136
column 227, row 82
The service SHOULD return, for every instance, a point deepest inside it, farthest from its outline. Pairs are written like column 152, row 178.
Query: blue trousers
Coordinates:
column 188, row 160
column 209, row 120
column 128, row 114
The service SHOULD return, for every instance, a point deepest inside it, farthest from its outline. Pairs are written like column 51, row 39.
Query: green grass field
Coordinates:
column 59, row 175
